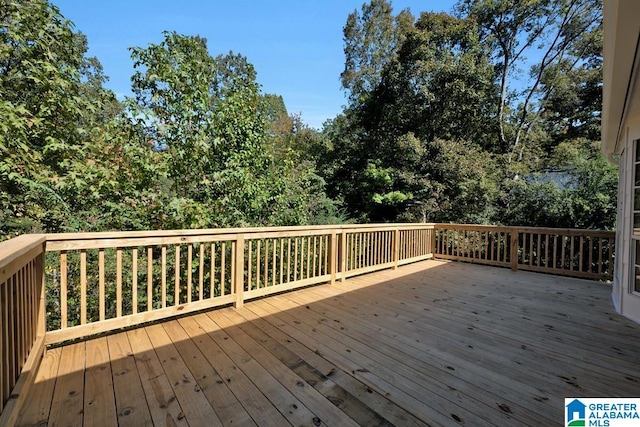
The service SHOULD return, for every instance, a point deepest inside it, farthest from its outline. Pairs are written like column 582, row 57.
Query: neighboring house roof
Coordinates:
column 621, row 88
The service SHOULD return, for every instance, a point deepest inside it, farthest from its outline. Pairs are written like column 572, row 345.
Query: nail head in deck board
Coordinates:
column 99, row 401
column 162, row 402
column 130, row 399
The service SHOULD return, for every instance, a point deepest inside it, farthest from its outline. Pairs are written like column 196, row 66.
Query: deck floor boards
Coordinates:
column 432, row 343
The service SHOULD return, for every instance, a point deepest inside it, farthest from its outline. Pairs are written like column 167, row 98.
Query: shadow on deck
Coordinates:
column 432, row 343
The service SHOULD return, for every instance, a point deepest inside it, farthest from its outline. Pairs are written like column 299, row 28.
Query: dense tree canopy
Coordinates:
column 488, row 114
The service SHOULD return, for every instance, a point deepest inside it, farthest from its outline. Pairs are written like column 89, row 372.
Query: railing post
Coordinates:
column 238, row 280
column 515, row 241
column 343, row 255
column 396, row 247
column 433, row 242
column 333, row 256
column 41, row 327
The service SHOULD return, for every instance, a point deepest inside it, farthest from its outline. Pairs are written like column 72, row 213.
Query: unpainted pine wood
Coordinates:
column 202, row 329
column 163, row 406
column 417, row 350
column 118, row 282
column 223, row 401
column 134, row 280
column 131, row 405
column 201, row 273
column 223, row 266
column 189, row 271
column 375, row 401
column 67, row 405
column 250, row 265
column 163, row 276
column 212, row 272
column 149, row 278
column 420, row 385
column 83, row 287
column 37, row 410
column 101, row 285
column 194, row 404
column 176, row 279
column 63, row 290
column 323, row 410
column 289, row 405
column 281, row 241
column 331, row 394
column 346, row 363
column 99, row 401
column 265, row 264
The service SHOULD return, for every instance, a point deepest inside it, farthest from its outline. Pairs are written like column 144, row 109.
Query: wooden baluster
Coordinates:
column 238, row 277
column 63, row 289
column 118, row 282
column 83, row 286
column 571, row 253
column 600, row 256
column 580, row 254
column 273, row 263
column 201, row 273
column 149, row 279
column 176, row 279
column 266, row 262
column 223, row 266
column 163, row 277
column 189, row 271
column 288, row 259
column 258, row 264
column 212, row 272
column 250, row 265
column 281, row 260
column 134, row 281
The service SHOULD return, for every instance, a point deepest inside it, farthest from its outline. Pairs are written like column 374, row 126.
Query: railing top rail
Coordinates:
column 54, row 237
column 12, row 249
column 527, row 229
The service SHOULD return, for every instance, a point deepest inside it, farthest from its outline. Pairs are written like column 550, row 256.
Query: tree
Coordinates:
column 370, row 42
column 554, row 31
column 51, row 104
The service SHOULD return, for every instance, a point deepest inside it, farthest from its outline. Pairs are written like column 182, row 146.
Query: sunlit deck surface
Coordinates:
column 433, row 343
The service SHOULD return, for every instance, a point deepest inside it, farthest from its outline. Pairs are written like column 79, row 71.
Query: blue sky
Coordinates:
column 295, row 45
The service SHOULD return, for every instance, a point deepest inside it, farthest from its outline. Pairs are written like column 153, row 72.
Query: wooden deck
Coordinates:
column 433, row 343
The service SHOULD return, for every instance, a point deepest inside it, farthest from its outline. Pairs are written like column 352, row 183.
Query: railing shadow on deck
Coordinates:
column 212, row 343
column 97, row 282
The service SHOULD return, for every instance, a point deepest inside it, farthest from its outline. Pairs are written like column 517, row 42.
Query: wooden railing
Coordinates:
column 97, row 282
column 22, row 320
column 103, row 281
column 568, row 252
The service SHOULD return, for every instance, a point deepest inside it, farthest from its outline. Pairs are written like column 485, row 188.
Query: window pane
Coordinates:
column 636, row 180
column 637, row 281
column 637, row 252
column 637, row 144
column 636, row 199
